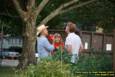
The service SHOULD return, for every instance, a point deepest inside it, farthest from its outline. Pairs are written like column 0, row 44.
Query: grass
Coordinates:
column 7, row 72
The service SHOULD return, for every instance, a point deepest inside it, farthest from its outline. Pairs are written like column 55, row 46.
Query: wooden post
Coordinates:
column 114, row 50
column 91, row 42
column 103, row 42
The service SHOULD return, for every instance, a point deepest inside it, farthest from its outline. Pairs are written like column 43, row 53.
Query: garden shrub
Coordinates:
column 87, row 63
column 46, row 68
column 59, row 66
column 92, row 63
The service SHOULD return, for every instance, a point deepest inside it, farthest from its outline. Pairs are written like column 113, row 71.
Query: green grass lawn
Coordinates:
column 7, row 72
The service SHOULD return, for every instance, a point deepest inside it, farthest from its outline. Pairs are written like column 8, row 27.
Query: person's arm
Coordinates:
column 81, row 47
column 68, row 45
column 68, row 48
column 48, row 46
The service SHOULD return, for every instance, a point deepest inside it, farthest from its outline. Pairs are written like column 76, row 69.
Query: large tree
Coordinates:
column 101, row 13
column 29, row 13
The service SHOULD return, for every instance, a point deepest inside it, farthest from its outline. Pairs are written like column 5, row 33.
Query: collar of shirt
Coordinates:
column 43, row 36
column 71, row 34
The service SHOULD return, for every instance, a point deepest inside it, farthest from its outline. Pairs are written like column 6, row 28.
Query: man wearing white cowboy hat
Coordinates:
column 43, row 46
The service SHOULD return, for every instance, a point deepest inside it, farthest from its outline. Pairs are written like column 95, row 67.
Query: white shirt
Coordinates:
column 75, row 41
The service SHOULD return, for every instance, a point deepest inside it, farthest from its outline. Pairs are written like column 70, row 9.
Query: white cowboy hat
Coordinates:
column 41, row 28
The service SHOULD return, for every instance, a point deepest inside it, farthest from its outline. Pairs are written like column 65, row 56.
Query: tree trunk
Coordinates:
column 28, row 51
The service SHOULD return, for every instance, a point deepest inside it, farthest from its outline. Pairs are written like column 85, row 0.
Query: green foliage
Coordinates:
column 46, row 68
column 9, row 27
column 62, row 56
column 87, row 63
column 92, row 63
column 100, row 13
column 6, row 72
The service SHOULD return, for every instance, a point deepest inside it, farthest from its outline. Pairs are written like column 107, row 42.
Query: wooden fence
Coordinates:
column 92, row 40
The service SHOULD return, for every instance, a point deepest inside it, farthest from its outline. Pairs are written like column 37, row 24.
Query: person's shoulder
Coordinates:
column 44, row 39
column 77, row 36
column 68, row 37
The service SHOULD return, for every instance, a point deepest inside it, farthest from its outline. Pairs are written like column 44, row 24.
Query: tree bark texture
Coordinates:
column 28, row 50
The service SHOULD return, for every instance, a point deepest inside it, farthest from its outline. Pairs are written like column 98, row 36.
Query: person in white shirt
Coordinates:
column 73, row 43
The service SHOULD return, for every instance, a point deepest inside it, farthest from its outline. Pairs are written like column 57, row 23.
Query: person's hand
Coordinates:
column 51, row 38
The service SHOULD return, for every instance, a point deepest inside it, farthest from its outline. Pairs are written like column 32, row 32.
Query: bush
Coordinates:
column 61, row 55
column 92, row 63
column 46, row 68
column 87, row 63
column 57, row 68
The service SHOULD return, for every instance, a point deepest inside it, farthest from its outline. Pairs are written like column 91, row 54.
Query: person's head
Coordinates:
column 70, row 27
column 42, row 30
column 57, row 37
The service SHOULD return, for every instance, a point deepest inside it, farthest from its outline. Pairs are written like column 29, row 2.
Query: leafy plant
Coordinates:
column 87, row 63
column 46, row 68
column 60, row 66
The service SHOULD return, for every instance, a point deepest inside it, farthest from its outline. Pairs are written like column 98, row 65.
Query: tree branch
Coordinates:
column 41, row 6
column 31, row 4
column 76, row 6
column 19, row 9
column 68, row 4
column 8, row 15
column 56, row 12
